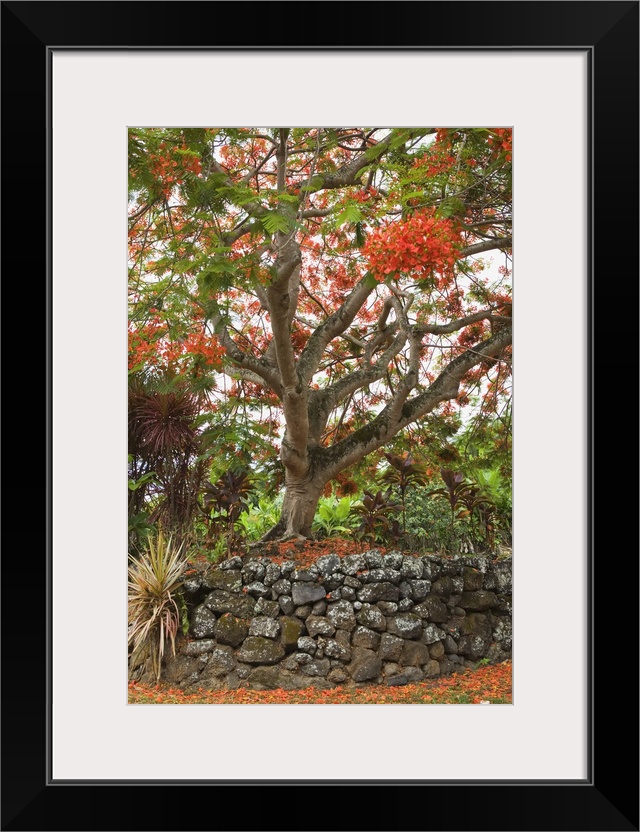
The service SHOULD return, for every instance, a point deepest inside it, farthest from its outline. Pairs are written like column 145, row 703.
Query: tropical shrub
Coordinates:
column 404, row 471
column 155, row 580
column 333, row 516
column 224, row 501
column 164, row 462
column 376, row 516
column 259, row 517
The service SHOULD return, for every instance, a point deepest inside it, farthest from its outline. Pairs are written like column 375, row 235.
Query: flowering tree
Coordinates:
column 333, row 274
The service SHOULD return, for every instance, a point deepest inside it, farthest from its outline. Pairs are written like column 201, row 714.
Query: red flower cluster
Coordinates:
column 169, row 168
column 418, row 245
column 149, row 345
column 502, row 140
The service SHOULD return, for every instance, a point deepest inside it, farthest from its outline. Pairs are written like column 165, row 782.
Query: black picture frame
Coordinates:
column 608, row 798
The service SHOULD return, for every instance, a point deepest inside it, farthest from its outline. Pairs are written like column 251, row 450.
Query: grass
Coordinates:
column 488, row 684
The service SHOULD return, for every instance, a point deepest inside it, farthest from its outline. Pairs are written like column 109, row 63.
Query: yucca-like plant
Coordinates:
column 155, row 579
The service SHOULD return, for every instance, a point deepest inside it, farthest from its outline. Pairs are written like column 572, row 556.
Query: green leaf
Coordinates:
column 273, row 222
column 449, row 207
column 289, row 198
column 351, row 213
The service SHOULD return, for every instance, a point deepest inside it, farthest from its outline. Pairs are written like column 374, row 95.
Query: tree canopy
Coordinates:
column 334, row 280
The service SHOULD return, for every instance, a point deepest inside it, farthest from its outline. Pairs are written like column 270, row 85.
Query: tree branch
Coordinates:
column 487, row 245
column 333, row 326
column 383, row 427
column 269, row 375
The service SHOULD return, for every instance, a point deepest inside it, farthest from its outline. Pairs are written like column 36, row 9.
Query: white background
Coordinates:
column 96, row 735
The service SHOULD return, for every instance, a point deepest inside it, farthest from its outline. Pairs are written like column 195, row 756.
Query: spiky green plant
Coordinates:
column 155, row 579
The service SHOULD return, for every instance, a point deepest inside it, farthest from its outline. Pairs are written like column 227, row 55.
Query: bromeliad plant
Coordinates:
column 404, row 471
column 155, row 581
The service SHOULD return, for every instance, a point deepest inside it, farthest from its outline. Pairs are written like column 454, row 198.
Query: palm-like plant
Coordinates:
column 455, row 492
column 163, row 440
column 404, row 471
column 155, row 579
column 473, row 502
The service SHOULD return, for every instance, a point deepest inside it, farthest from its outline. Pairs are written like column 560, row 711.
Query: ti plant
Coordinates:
column 224, row 501
column 155, row 580
column 375, row 511
column 455, row 492
column 474, row 502
column 404, row 471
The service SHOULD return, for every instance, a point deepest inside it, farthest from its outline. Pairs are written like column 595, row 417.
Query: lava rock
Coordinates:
column 197, row 648
column 436, row 651
column 352, row 564
column 405, row 625
column 231, row 630
column 220, row 662
column 364, row 665
column 472, row 579
column 373, row 559
column 265, row 678
column 383, row 591
column 231, row 580
column 317, row 667
column 259, row 650
column 307, row 645
column 253, row 570
column 383, row 574
column 328, row 564
column 341, row 615
column 257, row 589
column 269, row 608
column 319, row 626
column 281, row 587
column 306, row 593
column 232, row 563
column 392, row 560
column 262, row 625
column 431, row 669
column 337, row 675
column 370, row 616
column 271, row 574
column 435, row 610
column 285, row 602
column 414, row 654
column 411, row 567
column 478, row 600
column 290, row 631
column 419, row 589
column 334, row 649
column 364, row 637
column 431, row 634
column 390, row 647
column 203, row 622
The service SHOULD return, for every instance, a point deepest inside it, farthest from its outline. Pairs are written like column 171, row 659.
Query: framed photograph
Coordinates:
column 563, row 77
